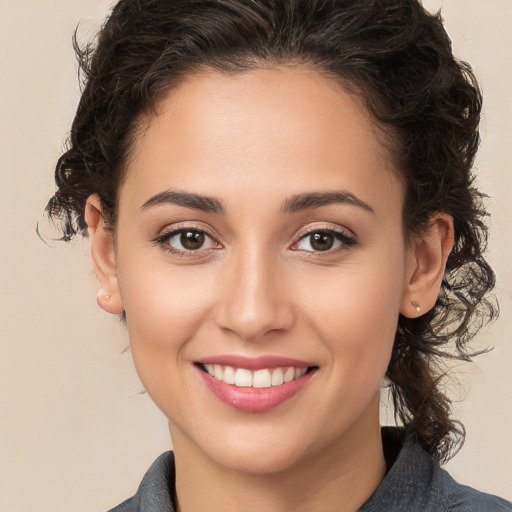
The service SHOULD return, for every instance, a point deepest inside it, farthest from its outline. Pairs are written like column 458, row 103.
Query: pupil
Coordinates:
column 192, row 240
column 322, row 241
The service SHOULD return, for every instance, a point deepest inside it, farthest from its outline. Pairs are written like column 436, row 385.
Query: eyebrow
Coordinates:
column 309, row 200
column 188, row 200
column 294, row 204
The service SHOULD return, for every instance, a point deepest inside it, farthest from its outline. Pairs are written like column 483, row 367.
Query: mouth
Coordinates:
column 264, row 386
column 261, row 378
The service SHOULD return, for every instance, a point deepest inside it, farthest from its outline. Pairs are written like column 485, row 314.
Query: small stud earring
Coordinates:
column 416, row 305
column 103, row 295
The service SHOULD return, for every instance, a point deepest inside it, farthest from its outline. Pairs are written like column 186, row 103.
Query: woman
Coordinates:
column 280, row 201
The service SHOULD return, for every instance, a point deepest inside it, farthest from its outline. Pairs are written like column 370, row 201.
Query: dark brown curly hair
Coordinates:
column 396, row 56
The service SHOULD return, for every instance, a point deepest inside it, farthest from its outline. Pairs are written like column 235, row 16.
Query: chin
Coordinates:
column 257, row 450
column 257, row 459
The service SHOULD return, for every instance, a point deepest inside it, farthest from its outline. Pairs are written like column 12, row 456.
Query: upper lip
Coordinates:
column 255, row 363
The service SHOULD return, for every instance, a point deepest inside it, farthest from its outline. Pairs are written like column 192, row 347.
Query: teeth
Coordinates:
column 217, row 371
column 277, row 377
column 289, row 375
column 264, row 378
column 299, row 372
column 229, row 375
column 243, row 378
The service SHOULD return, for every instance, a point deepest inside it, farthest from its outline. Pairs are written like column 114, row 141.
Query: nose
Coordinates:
column 254, row 298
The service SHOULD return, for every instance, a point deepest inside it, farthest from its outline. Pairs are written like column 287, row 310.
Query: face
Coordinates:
column 261, row 264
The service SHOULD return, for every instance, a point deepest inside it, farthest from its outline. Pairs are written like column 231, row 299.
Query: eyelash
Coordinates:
column 163, row 240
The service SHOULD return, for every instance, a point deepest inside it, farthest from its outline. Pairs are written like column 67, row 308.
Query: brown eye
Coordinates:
column 192, row 240
column 324, row 241
column 186, row 241
column 321, row 241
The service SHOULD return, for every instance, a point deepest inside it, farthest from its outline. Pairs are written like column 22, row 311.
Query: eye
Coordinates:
column 186, row 241
column 324, row 240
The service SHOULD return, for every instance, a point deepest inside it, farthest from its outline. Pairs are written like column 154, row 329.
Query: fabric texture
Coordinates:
column 414, row 483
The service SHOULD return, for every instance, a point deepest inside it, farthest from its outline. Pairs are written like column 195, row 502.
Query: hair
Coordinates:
column 396, row 56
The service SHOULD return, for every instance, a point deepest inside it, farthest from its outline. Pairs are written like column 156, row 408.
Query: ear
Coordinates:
column 426, row 263
column 103, row 256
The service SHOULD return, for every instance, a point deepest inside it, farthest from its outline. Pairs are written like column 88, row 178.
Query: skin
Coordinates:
column 257, row 287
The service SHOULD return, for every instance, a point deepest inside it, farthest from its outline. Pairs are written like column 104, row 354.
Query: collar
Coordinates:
column 414, row 483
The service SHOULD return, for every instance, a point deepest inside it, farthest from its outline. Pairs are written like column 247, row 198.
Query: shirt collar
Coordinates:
column 407, row 485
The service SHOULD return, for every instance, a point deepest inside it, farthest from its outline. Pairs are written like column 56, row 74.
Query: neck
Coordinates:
column 341, row 478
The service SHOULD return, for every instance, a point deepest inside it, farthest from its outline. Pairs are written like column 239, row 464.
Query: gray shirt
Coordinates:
column 414, row 483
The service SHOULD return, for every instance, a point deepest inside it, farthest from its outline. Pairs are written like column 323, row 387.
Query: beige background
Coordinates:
column 74, row 432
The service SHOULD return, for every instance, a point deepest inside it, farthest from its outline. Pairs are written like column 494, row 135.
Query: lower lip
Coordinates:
column 254, row 399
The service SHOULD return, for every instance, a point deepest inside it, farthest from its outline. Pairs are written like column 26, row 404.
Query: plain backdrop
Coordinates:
column 75, row 432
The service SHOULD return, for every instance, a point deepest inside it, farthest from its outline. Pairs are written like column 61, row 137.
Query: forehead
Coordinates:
column 261, row 130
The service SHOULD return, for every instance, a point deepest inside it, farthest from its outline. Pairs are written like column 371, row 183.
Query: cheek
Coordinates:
column 164, row 311
column 162, row 301
column 165, row 307
column 355, row 313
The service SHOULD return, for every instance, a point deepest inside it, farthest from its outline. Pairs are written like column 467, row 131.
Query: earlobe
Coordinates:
column 426, row 266
column 103, row 257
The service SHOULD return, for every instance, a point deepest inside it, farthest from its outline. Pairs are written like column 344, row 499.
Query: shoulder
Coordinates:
column 461, row 498
column 130, row 505
column 416, row 483
column 155, row 492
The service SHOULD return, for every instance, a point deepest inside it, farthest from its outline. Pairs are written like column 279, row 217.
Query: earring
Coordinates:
column 416, row 305
column 103, row 295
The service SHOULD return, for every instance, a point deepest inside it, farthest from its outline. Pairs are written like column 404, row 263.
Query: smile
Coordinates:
column 254, row 385
column 263, row 378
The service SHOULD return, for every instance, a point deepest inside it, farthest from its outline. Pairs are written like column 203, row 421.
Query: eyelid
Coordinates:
column 170, row 231
column 324, row 228
column 344, row 235
column 183, row 226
